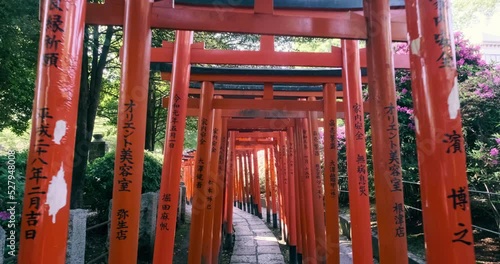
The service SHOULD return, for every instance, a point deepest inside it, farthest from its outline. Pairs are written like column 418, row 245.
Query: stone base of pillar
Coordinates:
column 299, row 258
column 293, row 254
column 77, row 230
column 275, row 221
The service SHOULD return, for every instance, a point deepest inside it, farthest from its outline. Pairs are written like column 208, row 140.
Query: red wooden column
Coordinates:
column 172, row 153
column 230, row 179
column 441, row 154
column 129, row 160
column 257, row 184
column 292, row 241
column 234, row 169
column 212, row 189
column 248, row 181
column 45, row 214
column 285, row 183
column 251, row 180
column 307, row 190
column 191, row 178
column 200, row 195
column 268, row 185
column 302, row 251
column 273, row 187
column 279, row 189
column 189, row 183
column 241, row 182
column 317, row 186
column 359, row 201
column 331, row 174
column 385, row 135
column 221, row 189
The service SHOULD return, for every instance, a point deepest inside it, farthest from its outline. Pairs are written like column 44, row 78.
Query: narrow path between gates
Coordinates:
column 256, row 243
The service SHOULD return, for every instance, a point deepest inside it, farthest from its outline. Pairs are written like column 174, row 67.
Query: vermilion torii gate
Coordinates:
column 225, row 166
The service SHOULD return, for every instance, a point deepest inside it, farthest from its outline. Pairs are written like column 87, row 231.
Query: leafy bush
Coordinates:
column 98, row 188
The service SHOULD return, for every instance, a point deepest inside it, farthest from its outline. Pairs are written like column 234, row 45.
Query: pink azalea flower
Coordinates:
column 494, row 152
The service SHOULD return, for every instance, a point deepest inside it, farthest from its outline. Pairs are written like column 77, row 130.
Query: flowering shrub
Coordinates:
column 469, row 59
column 479, row 86
column 480, row 96
column 4, row 215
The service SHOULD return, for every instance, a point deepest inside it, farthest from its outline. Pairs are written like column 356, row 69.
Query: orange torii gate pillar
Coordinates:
column 174, row 145
column 440, row 142
column 386, row 154
column 47, row 193
column 359, row 201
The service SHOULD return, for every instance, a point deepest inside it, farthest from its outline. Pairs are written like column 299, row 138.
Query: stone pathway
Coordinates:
column 255, row 243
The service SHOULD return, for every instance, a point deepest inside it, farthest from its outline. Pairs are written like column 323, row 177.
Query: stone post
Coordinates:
column 75, row 251
column 182, row 203
column 97, row 147
column 147, row 225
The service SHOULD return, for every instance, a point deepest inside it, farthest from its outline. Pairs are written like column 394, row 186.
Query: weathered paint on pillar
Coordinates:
column 357, row 173
column 331, row 174
column 45, row 215
column 292, row 197
column 440, row 142
column 220, row 193
column 317, row 186
column 201, row 194
column 385, row 135
column 213, row 189
column 172, row 153
column 132, row 110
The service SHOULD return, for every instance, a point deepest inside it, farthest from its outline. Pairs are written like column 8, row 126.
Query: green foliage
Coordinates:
column 481, row 118
column 98, row 189
column 19, row 35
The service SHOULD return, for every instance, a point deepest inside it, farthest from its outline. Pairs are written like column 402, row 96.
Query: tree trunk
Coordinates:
column 150, row 119
column 87, row 109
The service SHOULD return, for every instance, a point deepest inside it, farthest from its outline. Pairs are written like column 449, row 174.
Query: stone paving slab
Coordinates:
column 254, row 242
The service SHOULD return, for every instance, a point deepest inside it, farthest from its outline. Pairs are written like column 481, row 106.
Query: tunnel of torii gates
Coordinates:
column 242, row 111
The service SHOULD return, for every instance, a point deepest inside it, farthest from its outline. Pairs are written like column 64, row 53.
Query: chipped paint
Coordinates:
column 453, row 101
column 59, row 131
column 57, row 193
column 415, row 46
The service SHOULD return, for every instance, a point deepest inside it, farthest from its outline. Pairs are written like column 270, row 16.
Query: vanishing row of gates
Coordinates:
column 241, row 111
